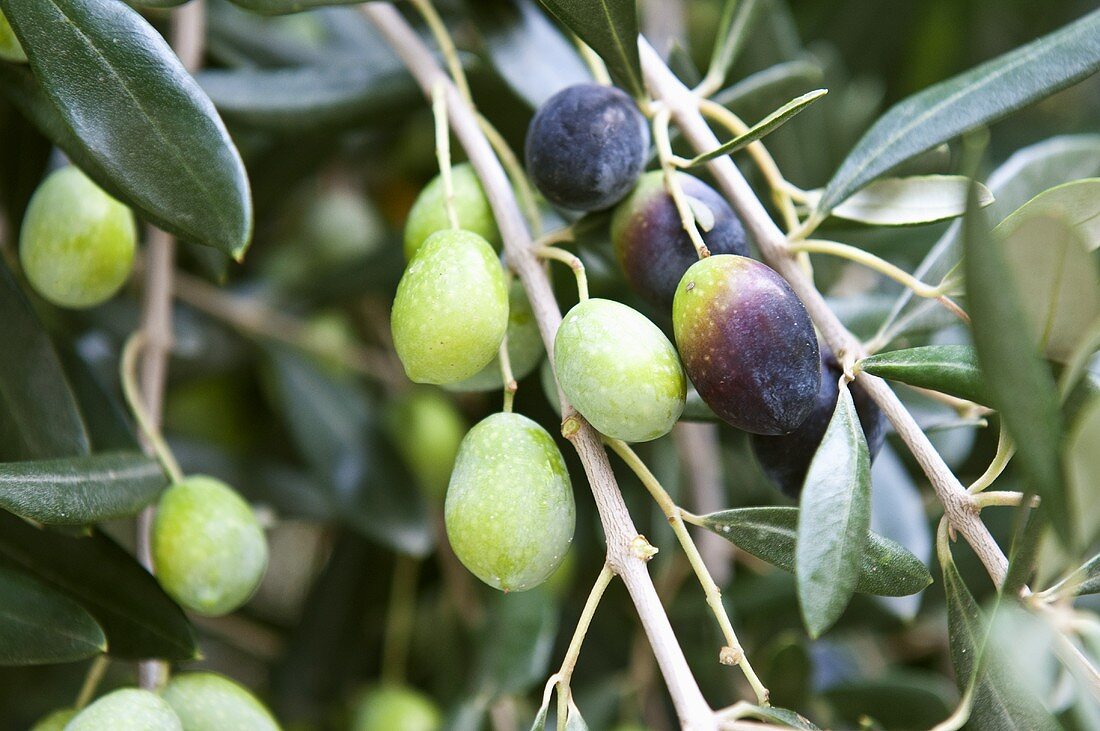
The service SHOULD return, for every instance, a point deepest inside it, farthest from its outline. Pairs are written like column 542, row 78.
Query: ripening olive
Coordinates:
column 786, row 458
column 524, row 346
column 10, row 50
column 129, row 709
column 651, row 244
column 619, row 371
column 56, row 721
column 509, row 512
column 747, row 344
column 427, row 429
column 586, row 147
column 429, row 213
column 451, row 308
column 211, row 702
column 77, row 242
column 395, row 708
column 208, row 548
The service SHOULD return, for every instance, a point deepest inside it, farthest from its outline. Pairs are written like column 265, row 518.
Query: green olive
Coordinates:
column 427, row 429
column 211, row 702
column 509, row 513
column 209, row 550
column 129, row 709
column 395, row 708
column 451, row 308
column 10, row 50
column 77, row 242
column 429, row 215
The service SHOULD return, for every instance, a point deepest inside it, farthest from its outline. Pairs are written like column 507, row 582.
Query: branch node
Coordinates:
column 642, row 549
column 730, row 655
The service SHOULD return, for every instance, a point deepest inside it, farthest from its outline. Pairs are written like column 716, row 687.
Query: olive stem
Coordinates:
column 507, row 376
column 573, row 653
column 1006, row 499
column 446, row 46
column 595, row 64
column 618, row 527
column 149, row 430
column 772, row 242
column 572, row 261
column 399, row 618
column 880, row 265
column 1005, row 450
column 515, row 172
column 672, row 184
column 443, row 152
column 91, row 681
column 732, row 653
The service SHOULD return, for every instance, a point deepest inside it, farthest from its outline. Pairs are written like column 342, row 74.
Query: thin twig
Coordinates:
column 570, row 260
column 573, row 653
column 672, row 182
column 701, row 458
column 443, row 153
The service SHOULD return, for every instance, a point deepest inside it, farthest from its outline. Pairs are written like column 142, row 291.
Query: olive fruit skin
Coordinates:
column 77, row 243
column 747, row 344
column 10, row 50
column 451, row 308
column 56, row 721
column 427, row 429
column 525, row 349
column 509, row 512
column 129, row 709
column 211, row 702
column 586, row 147
column 429, row 213
column 395, row 708
column 619, row 371
column 208, row 548
column 786, row 458
column 651, row 244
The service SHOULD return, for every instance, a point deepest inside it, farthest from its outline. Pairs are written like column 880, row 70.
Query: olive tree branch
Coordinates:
column 958, row 504
column 623, row 556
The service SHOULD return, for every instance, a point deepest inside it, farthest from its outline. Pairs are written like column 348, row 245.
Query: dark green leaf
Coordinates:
column 280, row 7
column 517, row 642
column 138, row 618
column 833, row 519
column 770, row 123
column 39, row 417
column 39, row 625
column 81, row 490
column 1017, row 381
column 886, row 568
column 971, row 99
column 527, row 49
column 895, row 699
column 783, row 716
column 156, row 139
column 950, row 369
column 610, row 27
column 310, row 97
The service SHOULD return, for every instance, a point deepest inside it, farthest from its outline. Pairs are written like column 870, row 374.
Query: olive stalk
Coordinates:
column 618, row 527
column 399, row 618
column 570, row 260
column 91, row 681
column 672, row 185
column 443, row 153
column 573, row 653
column 773, row 244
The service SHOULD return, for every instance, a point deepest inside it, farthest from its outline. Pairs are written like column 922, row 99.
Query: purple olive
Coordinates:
column 651, row 244
column 747, row 344
column 785, row 459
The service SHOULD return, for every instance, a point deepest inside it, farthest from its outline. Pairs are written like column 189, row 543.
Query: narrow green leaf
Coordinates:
column 281, row 7
column 81, row 490
column 737, row 17
column 1017, row 381
column 610, row 28
column 971, row 99
column 139, row 619
column 886, row 568
column 1056, row 278
column 39, row 625
column 517, row 642
column 950, row 369
column 833, row 519
column 909, row 201
column 770, row 123
column 783, row 716
column 511, row 30
column 1082, row 466
column 39, row 417
column 156, row 138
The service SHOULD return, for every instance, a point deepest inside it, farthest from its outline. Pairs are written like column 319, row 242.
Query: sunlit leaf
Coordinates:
column 908, row 201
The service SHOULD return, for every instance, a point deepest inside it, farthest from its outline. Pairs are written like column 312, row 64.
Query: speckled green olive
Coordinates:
column 211, row 702
column 10, row 50
column 77, row 242
column 619, row 371
column 524, row 346
column 509, row 512
column 129, row 709
column 427, row 429
column 208, row 548
column 451, row 308
column 395, row 708
column 56, row 721
column 429, row 215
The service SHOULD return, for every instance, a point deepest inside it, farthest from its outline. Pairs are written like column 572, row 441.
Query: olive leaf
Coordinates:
column 908, row 201
column 41, row 625
column 950, row 369
column 737, row 17
column 610, row 27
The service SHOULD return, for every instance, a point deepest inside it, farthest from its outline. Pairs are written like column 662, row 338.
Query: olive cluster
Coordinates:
column 743, row 338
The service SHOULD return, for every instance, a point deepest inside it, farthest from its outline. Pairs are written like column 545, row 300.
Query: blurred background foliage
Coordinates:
column 281, row 382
